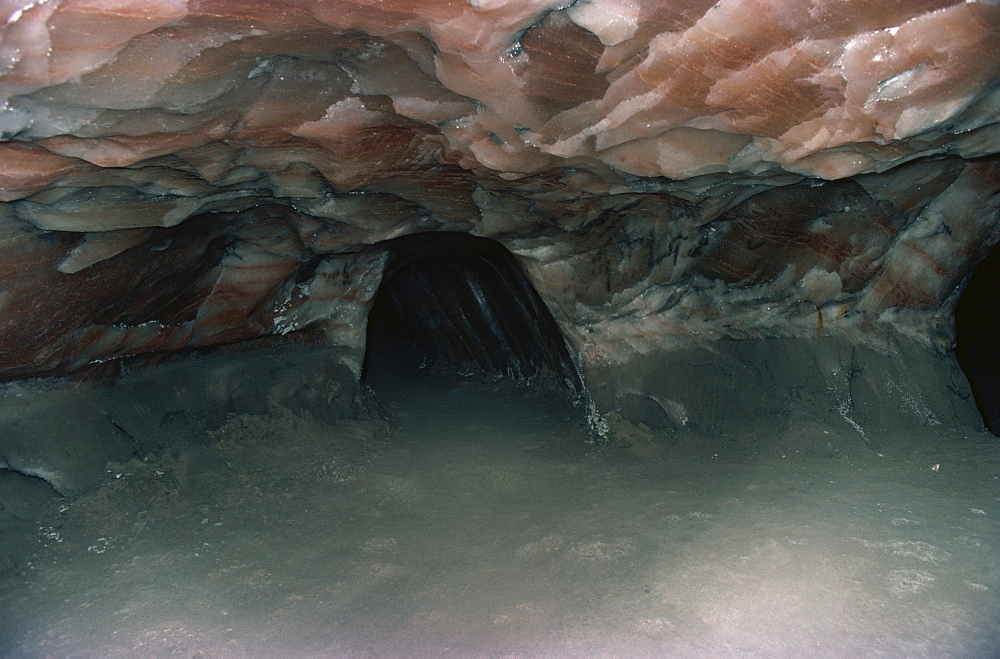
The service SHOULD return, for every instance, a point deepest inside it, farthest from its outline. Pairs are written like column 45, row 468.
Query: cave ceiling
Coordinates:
column 186, row 173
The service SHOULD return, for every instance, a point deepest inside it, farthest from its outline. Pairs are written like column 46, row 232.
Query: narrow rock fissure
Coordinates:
column 977, row 334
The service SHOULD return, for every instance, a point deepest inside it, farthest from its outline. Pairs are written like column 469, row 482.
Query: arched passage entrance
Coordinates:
column 462, row 304
column 977, row 337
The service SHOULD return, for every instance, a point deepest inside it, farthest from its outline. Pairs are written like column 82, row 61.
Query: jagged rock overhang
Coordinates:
column 622, row 274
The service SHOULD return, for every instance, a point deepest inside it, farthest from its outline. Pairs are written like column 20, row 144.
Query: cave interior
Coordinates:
column 705, row 225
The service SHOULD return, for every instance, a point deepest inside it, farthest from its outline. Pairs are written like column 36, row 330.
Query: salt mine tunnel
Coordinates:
column 700, row 221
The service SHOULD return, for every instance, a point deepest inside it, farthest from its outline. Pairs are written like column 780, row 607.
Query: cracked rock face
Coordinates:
column 179, row 174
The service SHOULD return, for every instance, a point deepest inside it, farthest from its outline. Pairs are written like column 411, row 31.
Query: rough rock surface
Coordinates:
column 750, row 220
column 179, row 174
column 65, row 436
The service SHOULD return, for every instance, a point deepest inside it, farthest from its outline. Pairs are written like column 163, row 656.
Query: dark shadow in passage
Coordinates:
column 977, row 340
column 456, row 304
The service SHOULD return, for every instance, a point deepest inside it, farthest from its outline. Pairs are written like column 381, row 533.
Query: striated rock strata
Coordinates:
column 183, row 174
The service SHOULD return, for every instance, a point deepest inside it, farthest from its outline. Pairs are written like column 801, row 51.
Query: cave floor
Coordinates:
column 479, row 522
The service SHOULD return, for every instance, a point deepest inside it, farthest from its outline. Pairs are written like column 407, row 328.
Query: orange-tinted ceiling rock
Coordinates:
column 672, row 89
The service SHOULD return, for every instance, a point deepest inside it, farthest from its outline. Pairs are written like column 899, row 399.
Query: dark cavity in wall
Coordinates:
column 977, row 326
column 458, row 304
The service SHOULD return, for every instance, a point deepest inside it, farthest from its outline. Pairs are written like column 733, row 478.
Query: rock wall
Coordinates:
column 816, row 395
column 622, row 274
column 181, row 175
column 68, row 434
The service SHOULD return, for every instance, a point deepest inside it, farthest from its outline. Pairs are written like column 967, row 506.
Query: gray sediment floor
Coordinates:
column 479, row 521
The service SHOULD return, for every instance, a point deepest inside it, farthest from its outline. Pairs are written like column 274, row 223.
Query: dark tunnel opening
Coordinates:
column 460, row 305
column 977, row 337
